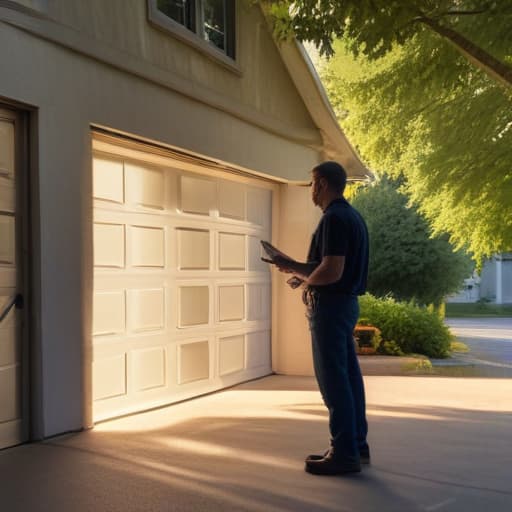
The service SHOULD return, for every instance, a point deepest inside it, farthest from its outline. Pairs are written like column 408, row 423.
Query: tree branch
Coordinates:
column 432, row 106
column 496, row 69
column 461, row 13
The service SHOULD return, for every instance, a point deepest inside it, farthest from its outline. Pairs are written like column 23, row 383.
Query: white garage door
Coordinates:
column 181, row 299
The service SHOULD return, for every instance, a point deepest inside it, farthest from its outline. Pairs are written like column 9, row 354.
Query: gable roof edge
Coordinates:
column 305, row 78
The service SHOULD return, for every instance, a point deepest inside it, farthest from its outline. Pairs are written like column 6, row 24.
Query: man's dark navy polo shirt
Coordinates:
column 342, row 232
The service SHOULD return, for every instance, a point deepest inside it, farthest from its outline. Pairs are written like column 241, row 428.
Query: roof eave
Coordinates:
column 335, row 144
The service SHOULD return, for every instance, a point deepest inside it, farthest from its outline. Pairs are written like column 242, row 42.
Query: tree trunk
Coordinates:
column 496, row 69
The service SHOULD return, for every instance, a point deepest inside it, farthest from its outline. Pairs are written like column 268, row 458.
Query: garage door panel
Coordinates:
column 9, row 352
column 146, row 309
column 193, row 305
column 193, row 249
column 231, row 200
column 259, row 208
column 178, row 285
column 149, row 368
column 198, row 195
column 231, row 354
column 266, row 302
column 7, row 176
column 109, row 313
column 258, row 349
column 7, row 195
column 109, row 245
column 194, row 361
column 10, row 403
column 7, row 149
column 147, row 246
column 256, row 264
column 108, row 180
column 145, row 186
column 8, row 238
column 231, row 251
column 258, row 302
column 231, row 303
column 109, row 377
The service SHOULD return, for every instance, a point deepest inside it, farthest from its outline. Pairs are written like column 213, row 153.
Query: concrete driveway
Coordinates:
column 438, row 444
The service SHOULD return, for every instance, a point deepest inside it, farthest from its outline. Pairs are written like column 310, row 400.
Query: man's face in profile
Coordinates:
column 315, row 188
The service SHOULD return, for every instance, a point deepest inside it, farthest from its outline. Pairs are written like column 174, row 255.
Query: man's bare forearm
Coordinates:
column 328, row 272
column 322, row 276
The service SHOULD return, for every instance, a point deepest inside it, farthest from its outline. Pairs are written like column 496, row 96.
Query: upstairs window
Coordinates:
column 212, row 21
column 181, row 12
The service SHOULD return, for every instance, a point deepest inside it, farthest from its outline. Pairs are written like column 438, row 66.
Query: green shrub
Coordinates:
column 439, row 309
column 390, row 348
column 413, row 329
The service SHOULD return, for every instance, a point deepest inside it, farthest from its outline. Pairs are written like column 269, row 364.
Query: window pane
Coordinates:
column 214, row 22
column 178, row 10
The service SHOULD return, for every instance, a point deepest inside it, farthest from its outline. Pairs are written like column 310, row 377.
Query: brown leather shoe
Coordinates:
column 314, row 456
column 332, row 465
column 364, row 456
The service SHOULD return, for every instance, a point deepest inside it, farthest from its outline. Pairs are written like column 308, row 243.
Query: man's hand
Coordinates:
column 301, row 270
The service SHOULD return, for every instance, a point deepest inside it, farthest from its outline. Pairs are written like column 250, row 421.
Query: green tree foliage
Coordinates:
column 404, row 260
column 375, row 27
column 422, row 112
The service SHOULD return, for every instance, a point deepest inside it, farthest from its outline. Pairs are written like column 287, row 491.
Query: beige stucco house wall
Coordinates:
column 75, row 66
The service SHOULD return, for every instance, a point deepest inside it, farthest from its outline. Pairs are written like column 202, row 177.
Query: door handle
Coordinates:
column 16, row 301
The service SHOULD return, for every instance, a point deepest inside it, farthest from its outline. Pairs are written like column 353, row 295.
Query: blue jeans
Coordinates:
column 332, row 319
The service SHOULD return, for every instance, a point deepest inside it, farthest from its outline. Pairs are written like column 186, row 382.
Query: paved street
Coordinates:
column 490, row 343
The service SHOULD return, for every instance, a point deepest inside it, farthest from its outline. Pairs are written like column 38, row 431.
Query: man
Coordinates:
column 334, row 275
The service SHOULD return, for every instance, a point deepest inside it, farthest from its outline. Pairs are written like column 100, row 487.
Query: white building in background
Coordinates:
column 496, row 279
column 494, row 284
column 470, row 291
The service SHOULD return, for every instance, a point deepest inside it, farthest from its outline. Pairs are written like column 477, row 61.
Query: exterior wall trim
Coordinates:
column 104, row 137
column 335, row 144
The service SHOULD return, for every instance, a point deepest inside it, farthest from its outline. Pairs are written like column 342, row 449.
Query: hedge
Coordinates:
column 414, row 329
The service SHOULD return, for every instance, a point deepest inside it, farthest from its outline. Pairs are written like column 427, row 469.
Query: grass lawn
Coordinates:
column 477, row 309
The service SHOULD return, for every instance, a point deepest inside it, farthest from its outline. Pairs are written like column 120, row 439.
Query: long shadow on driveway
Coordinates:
column 243, row 449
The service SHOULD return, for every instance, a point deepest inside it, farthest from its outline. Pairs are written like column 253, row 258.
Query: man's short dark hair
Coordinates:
column 334, row 174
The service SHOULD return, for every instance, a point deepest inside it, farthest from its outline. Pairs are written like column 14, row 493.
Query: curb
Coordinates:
column 394, row 365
